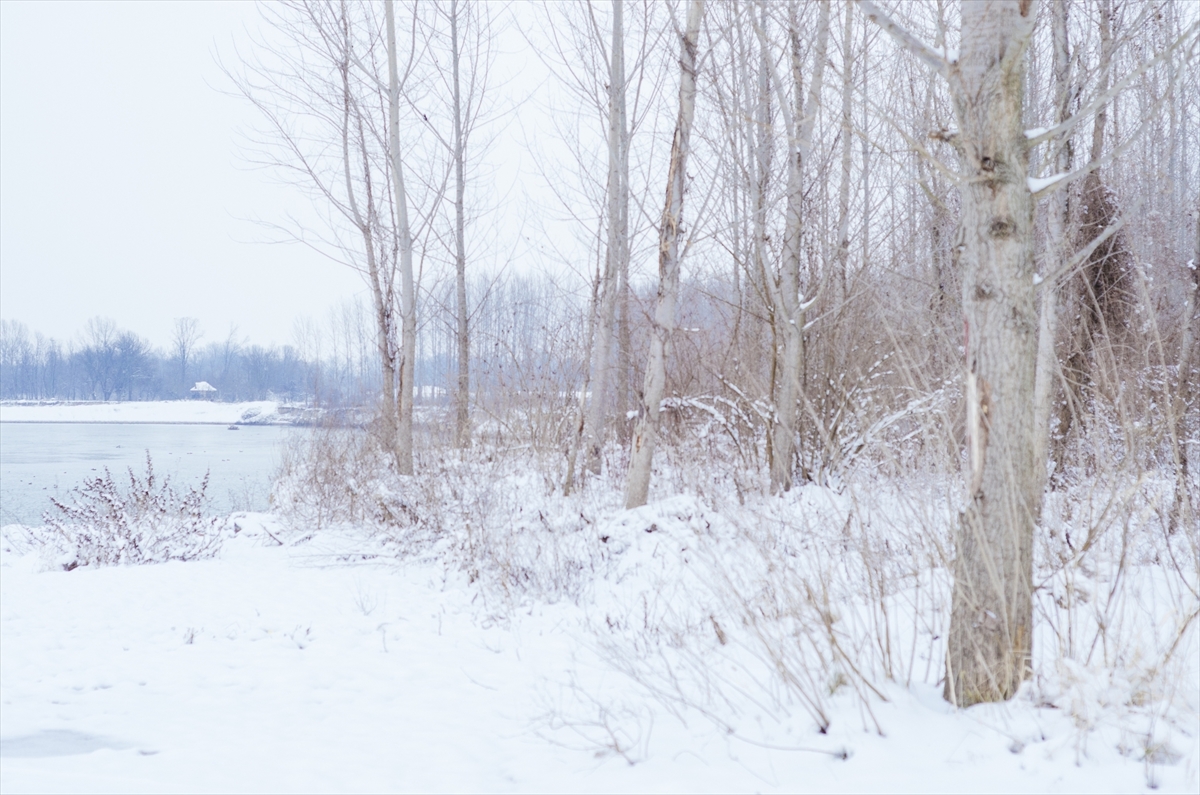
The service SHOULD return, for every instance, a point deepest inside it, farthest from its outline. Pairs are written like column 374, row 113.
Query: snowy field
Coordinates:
column 158, row 411
column 299, row 664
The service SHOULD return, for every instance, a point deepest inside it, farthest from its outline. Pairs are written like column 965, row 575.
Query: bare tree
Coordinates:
column 790, row 305
column 992, row 608
column 469, row 36
column 1048, row 371
column 408, row 307
column 99, row 352
column 462, row 435
column 332, row 125
column 671, row 230
column 184, row 337
column 616, row 258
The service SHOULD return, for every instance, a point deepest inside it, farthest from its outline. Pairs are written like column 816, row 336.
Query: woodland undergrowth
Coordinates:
column 769, row 614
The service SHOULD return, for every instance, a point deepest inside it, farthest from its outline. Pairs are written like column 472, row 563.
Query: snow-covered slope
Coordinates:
column 304, row 668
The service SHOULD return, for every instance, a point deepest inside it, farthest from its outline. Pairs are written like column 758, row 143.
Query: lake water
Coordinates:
column 43, row 460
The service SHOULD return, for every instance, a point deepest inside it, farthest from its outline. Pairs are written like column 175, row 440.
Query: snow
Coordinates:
column 312, row 666
column 161, row 411
column 1037, row 184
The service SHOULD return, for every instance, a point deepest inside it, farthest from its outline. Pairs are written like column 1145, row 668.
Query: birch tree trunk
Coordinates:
column 617, row 248
column 462, row 398
column 791, row 307
column 991, row 606
column 408, row 315
column 646, row 433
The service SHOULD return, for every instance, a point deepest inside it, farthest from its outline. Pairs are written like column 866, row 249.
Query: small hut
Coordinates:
column 204, row 391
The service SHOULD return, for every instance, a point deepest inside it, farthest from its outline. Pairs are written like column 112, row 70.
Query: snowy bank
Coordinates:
column 304, row 667
column 194, row 412
column 471, row 628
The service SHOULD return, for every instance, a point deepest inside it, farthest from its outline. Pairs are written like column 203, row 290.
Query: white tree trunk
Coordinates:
column 462, row 397
column 991, row 606
column 1057, row 248
column 790, row 311
column 847, row 152
column 616, row 253
column 408, row 314
column 646, row 433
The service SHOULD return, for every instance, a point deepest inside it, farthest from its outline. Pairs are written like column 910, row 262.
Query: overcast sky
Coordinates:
column 121, row 189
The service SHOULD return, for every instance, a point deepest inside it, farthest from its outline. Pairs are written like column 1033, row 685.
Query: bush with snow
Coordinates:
column 102, row 523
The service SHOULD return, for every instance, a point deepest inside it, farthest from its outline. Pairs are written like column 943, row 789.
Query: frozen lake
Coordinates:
column 43, row 460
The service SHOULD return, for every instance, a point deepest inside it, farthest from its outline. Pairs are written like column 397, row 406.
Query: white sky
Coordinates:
column 124, row 191
column 121, row 189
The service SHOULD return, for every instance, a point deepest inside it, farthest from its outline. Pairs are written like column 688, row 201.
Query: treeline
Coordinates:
column 531, row 349
column 107, row 362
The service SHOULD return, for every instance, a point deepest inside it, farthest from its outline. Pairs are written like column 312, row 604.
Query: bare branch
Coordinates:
column 1103, row 99
column 929, row 56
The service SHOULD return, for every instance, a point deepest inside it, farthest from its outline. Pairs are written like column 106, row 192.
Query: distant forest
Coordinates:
column 334, row 363
column 107, row 362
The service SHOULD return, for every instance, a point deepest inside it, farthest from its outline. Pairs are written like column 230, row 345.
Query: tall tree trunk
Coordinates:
column 1058, row 246
column 598, row 406
column 791, row 308
column 380, row 282
column 843, row 253
column 408, row 311
column 991, row 606
column 646, row 433
column 761, row 179
column 462, row 397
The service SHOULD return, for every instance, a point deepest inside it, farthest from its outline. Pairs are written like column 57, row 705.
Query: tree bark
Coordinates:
column 462, row 398
column 616, row 250
column 991, row 606
column 408, row 315
column 671, row 230
column 790, row 312
column 843, row 254
column 1048, row 371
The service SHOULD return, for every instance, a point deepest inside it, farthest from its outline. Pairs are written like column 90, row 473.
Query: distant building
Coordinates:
column 204, row 390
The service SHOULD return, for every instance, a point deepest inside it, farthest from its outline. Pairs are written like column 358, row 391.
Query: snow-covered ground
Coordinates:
column 310, row 667
column 157, row 411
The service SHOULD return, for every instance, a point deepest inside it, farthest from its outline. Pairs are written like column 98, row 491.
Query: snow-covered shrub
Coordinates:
column 342, row 477
column 102, row 523
column 485, row 514
column 758, row 615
